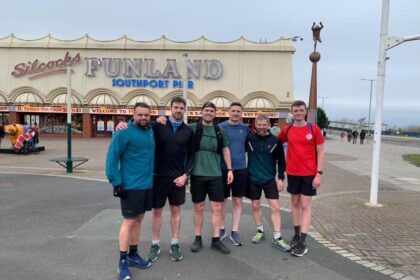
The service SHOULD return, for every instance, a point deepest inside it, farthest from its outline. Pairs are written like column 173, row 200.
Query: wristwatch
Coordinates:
column 320, row 172
column 230, row 169
column 187, row 174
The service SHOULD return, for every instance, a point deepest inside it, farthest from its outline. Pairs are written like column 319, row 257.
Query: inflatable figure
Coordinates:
column 18, row 134
column 14, row 131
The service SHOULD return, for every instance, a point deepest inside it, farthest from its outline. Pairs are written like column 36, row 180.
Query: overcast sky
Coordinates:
column 349, row 49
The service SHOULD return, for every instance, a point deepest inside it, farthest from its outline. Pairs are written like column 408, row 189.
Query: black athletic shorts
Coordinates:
column 164, row 188
column 136, row 203
column 239, row 184
column 255, row 190
column 300, row 185
column 206, row 185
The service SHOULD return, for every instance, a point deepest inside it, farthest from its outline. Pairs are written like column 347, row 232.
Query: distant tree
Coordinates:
column 323, row 121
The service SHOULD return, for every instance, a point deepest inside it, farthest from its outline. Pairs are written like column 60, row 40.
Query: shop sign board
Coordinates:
column 44, row 109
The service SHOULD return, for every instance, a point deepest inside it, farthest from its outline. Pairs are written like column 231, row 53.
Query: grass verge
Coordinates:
column 413, row 159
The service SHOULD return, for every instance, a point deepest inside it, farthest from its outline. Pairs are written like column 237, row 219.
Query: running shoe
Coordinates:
column 123, row 272
column 153, row 252
column 258, row 237
column 236, row 239
column 219, row 246
column 281, row 244
column 197, row 245
column 137, row 261
column 175, row 252
column 300, row 250
column 295, row 241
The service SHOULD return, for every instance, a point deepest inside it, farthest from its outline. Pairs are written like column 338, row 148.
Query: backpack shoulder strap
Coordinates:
column 198, row 135
column 219, row 137
column 287, row 130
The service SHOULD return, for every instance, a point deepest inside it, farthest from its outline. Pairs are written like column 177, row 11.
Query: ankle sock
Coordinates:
column 123, row 255
column 303, row 237
column 297, row 230
column 133, row 250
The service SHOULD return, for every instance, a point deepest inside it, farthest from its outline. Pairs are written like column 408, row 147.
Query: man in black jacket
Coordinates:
column 173, row 164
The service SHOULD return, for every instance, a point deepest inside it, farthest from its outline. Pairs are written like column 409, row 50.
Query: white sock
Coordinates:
column 154, row 242
column 261, row 228
column 174, row 241
column 277, row 235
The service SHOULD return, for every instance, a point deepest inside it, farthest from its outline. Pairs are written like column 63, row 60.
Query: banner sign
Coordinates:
column 40, row 109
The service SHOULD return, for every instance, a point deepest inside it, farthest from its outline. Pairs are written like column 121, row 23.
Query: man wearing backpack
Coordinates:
column 211, row 143
column 304, row 168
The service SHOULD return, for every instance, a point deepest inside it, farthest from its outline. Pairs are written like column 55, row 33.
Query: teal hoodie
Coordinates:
column 130, row 158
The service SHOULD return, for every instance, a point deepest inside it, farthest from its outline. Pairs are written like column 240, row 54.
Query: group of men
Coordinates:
column 151, row 162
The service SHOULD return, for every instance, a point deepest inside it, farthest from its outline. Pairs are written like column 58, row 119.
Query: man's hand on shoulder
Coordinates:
column 121, row 126
column 161, row 120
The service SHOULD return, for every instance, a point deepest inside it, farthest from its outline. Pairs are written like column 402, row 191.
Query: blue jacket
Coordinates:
column 130, row 158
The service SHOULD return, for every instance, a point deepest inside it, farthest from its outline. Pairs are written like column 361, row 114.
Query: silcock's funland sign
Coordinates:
column 126, row 72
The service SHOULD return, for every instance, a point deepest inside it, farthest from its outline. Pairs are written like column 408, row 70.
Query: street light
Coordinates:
column 322, row 97
column 370, row 104
column 386, row 43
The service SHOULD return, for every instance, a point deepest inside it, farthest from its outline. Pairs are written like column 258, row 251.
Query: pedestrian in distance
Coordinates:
column 362, row 136
column 355, row 135
column 129, row 168
column 265, row 160
column 304, row 168
column 342, row 135
column 173, row 165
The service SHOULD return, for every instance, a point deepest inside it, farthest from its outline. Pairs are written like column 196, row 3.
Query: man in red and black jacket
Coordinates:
column 304, row 168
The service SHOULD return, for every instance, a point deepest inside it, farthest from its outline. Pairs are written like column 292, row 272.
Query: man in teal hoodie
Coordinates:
column 129, row 168
column 265, row 159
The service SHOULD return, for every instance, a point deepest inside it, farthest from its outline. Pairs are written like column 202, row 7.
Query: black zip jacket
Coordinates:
column 173, row 151
column 264, row 152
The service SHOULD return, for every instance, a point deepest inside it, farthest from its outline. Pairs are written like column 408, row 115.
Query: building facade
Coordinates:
column 109, row 77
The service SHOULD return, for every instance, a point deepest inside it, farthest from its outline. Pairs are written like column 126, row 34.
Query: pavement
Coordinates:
column 59, row 226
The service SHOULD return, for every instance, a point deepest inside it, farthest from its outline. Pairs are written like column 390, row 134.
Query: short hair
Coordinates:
column 298, row 103
column 142, row 105
column 178, row 99
column 235, row 104
column 262, row 118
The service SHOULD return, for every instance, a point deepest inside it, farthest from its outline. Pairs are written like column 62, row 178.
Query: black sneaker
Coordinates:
column 299, row 250
column 219, row 246
column 197, row 244
column 295, row 241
